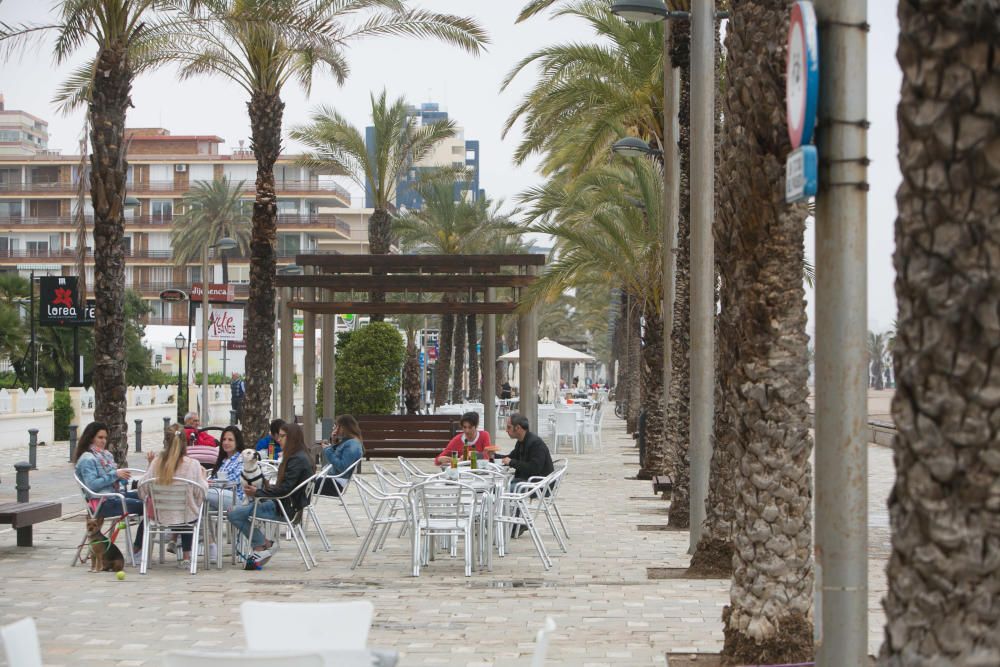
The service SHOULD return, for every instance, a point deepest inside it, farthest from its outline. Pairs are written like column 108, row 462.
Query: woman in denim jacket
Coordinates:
column 342, row 456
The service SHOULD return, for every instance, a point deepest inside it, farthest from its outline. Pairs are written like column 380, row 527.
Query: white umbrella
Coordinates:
column 550, row 350
column 550, row 381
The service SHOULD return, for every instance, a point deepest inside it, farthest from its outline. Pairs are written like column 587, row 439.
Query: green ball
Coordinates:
column 120, row 575
column 121, row 525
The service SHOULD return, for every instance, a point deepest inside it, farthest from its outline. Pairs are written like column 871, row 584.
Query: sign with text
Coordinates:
column 216, row 292
column 223, row 324
column 801, row 174
column 57, row 303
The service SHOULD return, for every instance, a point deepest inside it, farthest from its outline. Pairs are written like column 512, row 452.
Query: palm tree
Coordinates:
column 878, row 351
column 261, row 45
column 769, row 616
column 336, row 145
column 211, row 210
column 411, row 324
column 130, row 37
column 943, row 506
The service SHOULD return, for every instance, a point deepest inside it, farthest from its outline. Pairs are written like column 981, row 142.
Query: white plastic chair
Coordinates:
column 307, row 626
column 441, row 508
column 321, row 481
column 169, row 498
column 542, row 642
column 269, row 659
column 20, row 643
column 383, row 510
column 566, row 428
column 113, row 499
column 592, row 428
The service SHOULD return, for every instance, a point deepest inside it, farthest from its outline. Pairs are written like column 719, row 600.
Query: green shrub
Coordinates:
column 62, row 410
column 368, row 370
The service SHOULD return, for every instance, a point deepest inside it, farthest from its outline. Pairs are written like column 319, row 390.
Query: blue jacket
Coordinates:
column 342, row 456
column 98, row 478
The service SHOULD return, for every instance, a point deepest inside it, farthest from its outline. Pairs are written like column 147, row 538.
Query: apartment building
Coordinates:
column 38, row 194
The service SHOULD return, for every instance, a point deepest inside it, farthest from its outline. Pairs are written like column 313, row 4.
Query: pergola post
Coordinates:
column 489, row 361
column 286, row 360
column 527, row 333
column 329, row 359
column 309, row 368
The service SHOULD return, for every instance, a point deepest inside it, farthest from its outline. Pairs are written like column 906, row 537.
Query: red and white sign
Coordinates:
column 223, row 323
column 216, row 292
column 802, row 74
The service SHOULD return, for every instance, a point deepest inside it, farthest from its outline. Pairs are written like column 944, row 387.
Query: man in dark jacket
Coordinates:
column 530, row 457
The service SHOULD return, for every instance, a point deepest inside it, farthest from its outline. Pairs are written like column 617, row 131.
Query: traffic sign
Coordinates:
column 802, row 74
column 801, row 174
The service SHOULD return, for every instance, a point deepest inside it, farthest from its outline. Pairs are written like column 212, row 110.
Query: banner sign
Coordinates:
column 223, row 324
column 216, row 292
column 57, row 303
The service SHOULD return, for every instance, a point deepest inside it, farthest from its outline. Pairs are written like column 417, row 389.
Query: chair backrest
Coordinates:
column 168, row 498
column 443, row 499
column 372, row 498
column 268, row 659
column 411, row 471
column 542, row 642
column 307, row 626
column 20, row 643
column 565, row 422
column 387, row 480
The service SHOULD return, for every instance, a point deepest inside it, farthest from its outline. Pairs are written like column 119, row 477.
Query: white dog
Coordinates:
column 252, row 473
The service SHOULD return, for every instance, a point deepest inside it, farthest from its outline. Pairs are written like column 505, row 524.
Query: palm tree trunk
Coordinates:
column 633, row 386
column 941, row 603
column 678, row 411
column 265, row 128
column 651, row 369
column 475, row 391
column 411, row 376
column 458, row 365
column 769, row 619
column 379, row 243
column 442, row 367
column 108, row 106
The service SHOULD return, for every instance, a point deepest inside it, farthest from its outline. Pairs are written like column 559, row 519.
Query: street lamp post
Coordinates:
column 179, row 343
column 222, row 244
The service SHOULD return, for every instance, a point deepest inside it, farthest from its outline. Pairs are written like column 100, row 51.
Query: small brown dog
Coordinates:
column 104, row 555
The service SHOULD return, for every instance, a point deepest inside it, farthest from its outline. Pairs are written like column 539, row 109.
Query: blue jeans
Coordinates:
column 228, row 497
column 240, row 517
column 111, row 507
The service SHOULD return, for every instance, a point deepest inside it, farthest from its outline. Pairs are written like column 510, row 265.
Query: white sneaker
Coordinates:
column 213, row 553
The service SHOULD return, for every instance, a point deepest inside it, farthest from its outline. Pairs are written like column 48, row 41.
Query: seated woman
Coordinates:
column 229, row 466
column 171, row 463
column 268, row 446
column 469, row 437
column 349, row 448
column 96, row 468
column 296, row 467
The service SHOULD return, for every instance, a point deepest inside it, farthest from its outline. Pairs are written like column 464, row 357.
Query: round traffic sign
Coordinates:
column 802, row 74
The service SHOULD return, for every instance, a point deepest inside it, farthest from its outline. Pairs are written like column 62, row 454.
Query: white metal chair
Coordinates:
column 247, row 659
column 516, row 511
column 412, row 472
column 441, row 508
column 307, row 626
column 93, row 509
column 292, row 524
column 170, row 498
column 383, row 511
column 542, row 642
column 547, row 490
column 343, row 482
column 20, row 643
column 566, row 428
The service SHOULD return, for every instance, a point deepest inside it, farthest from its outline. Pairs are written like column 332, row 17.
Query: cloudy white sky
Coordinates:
column 467, row 87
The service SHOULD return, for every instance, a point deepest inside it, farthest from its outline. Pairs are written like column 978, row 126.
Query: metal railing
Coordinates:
column 69, row 187
column 315, row 220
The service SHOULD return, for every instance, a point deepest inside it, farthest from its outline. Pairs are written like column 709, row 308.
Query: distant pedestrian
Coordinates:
column 238, row 389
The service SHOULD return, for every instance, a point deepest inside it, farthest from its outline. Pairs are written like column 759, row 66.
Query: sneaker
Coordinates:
column 261, row 557
column 213, row 553
column 171, row 547
column 184, row 564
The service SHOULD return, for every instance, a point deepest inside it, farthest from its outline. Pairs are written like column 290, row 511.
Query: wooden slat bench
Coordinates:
column 413, row 436
column 662, row 484
column 24, row 515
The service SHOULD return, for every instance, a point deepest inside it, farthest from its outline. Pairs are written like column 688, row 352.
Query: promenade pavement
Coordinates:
column 608, row 611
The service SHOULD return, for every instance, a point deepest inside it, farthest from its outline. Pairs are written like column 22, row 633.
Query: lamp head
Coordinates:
column 640, row 11
column 631, row 147
column 291, row 270
column 226, row 243
column 179, row 341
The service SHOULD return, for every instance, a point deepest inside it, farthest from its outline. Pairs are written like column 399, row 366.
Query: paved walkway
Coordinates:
column 608, row 611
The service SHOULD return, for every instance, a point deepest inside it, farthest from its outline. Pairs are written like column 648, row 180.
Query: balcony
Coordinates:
column 291, row 221
column 68, row 188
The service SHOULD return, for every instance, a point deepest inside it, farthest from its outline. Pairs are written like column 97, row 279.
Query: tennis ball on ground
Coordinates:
column 120, row 575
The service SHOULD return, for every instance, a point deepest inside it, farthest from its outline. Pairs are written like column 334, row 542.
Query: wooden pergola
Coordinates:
column 340, row 284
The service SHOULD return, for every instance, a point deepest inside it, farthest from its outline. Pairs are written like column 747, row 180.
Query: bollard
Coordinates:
column 138, row 435
column 72, row 440
column 24, row 535
column 232, row 417
column 166, row 424
column 33, row 448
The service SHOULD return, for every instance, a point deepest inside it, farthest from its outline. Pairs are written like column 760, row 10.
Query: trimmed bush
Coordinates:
column 62, row 410
column 368, row 370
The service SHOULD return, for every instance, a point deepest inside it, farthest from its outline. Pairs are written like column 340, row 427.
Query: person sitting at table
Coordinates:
column 296, row 467
column 228, row 467
column 469, row 436
column 201, row 446
column 270, row 440
column 171, row 463
column 530, row 458
column 505, row 390
column 97, row 469
column 348, row 447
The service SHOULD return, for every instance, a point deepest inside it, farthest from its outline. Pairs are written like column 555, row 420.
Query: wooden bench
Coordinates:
column 22, row 516
column 412, row 436
column 662, row 484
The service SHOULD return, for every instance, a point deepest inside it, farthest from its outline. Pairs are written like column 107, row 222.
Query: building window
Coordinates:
column 239, row 274
column 289, row 245
column 457, row 150
column 38, row 248
column 162, row 210
column 194, row 274
column 127, row 241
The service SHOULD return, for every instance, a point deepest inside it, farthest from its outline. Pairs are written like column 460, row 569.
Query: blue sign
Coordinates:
column 801, row 174
column 421, row 357
column 802, row 74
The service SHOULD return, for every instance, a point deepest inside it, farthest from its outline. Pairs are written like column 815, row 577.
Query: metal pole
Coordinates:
column 72, row 440
column 286, row 352
column 206, row 415
column 309, row 368
column 329, row 361
column 275, row 369
column 24, row 535
column 841, row 356
column 34, row 342
column 702, row 413
column 671, row 203
column 138, row 435
column 489, row 361
column 33, row 448
column 180, row 366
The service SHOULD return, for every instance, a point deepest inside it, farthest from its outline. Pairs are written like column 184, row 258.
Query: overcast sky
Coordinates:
column 467, row 87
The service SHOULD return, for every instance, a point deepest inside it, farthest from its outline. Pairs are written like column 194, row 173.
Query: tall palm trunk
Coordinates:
column 651, row 369
column 442, row 367
column 769, row 619
column 633, row 384
column 475, row 392
column 941, row 606
column 458, row 363
column 265, row 112
column 379, row 243
column 110, row 101
column 679, row 411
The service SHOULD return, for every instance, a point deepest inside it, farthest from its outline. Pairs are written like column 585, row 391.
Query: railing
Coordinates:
column 69, row 187
column 315, row 220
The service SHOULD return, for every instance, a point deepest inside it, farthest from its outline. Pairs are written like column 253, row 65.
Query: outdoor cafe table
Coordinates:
column 221, row 485
column 487, row 490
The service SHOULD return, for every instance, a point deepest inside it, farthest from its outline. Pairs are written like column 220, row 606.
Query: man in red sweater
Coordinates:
column 470, row 436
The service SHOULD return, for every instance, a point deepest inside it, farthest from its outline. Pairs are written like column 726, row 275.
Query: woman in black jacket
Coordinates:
column 296, row 467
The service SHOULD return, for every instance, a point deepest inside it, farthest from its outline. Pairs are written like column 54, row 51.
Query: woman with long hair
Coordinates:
column 347, row 448
column 296, row 467
column 170, row 464
column 96, row 468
